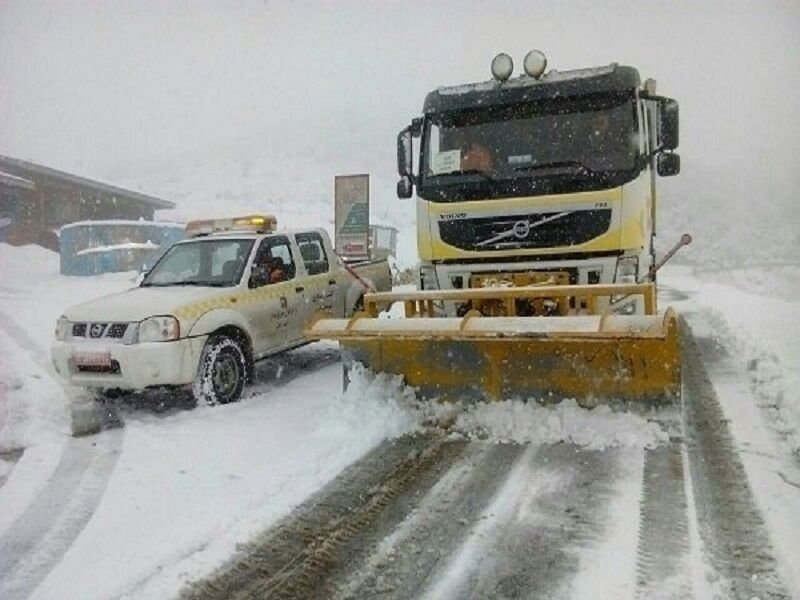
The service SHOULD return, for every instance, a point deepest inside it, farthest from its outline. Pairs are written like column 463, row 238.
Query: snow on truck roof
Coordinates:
column 551, row 85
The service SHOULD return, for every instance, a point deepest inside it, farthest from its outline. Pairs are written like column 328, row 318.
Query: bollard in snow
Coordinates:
column 89, row 416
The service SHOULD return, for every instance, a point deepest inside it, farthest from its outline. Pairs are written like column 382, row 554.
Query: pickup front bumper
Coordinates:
column 131, row 367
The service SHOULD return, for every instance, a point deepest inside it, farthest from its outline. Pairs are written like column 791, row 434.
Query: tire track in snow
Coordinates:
column 397, row 561
column 35, row 543
column 662, row 569
column 290, row 559
column 731, row 526
column 552, row 506
column 9, row 460
column 26, row 342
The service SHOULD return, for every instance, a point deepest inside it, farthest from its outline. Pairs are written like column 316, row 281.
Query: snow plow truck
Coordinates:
column 536, row 220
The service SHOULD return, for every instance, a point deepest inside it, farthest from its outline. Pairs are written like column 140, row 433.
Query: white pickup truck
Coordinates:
column 235, row 292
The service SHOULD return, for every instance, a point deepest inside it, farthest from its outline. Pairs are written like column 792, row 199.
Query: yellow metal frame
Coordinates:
column 590, row 355
column 423, row 304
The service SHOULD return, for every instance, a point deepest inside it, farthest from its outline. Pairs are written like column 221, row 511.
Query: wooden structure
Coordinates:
column 35, row 201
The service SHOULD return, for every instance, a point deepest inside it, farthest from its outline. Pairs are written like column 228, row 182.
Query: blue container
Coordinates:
column 95, row 247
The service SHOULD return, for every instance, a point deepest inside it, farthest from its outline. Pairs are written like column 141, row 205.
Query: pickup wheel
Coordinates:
column 222, row 372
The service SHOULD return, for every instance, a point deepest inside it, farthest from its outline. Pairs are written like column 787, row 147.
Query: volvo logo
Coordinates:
column 97, row 330
column 521, row 229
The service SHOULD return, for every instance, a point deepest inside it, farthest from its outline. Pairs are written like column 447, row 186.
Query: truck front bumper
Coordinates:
column 600, row 269
column 133, row 366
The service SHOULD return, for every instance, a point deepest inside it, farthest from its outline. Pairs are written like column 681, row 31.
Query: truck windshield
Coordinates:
column 569, row 143
column 213, row 263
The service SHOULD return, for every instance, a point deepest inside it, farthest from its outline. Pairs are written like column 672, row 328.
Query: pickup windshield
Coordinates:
column 575, row 144
column 212, row 263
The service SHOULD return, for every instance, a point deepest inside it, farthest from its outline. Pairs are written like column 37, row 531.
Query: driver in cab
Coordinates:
column 476, row 157
column 270, row 269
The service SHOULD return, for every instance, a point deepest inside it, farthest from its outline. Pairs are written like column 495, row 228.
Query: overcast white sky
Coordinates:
column 109, row 87
column 117, row 90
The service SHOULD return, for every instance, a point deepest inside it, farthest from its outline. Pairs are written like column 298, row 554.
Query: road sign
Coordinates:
column 351, row 194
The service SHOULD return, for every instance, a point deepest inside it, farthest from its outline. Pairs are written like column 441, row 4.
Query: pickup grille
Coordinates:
column 538, row 230
column 99, row 330
column 116, row 330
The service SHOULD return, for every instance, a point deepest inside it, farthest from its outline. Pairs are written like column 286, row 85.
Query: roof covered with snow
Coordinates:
column 24, row 169
column 14, row 181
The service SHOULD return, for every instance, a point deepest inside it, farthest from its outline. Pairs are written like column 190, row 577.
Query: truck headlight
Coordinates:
column 159, row 329
column 62, row 328
column 627, row 270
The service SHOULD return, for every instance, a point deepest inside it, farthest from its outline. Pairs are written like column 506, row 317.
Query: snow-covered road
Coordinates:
column 579, row 500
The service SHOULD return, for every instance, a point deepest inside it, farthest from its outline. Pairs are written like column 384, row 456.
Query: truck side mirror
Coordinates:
column 404, row 152
column 668, row 128
column 668, row 164
column 405, row 188
column 405, row 158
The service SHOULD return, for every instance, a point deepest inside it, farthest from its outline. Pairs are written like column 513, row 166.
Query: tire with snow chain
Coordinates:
column 222, row 372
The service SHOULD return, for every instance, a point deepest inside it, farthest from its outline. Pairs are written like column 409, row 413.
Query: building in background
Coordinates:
column 35, row 201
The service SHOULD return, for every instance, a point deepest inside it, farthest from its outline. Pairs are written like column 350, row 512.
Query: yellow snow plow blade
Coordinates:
column 584, row 355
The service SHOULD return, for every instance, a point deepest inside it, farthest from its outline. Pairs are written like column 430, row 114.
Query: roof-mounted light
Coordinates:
column 249, row 223
column 535, row 63
column 502, row 67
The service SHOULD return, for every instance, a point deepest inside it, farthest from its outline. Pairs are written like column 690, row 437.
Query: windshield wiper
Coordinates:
column 483, row 174
column 203, row 283
column 197, row 283
column 563, row 164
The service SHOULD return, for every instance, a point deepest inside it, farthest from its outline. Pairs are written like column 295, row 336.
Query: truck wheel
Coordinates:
column 222, row 372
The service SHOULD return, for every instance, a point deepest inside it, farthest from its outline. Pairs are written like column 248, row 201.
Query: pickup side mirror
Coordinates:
column 668, row 127
column 668, row 164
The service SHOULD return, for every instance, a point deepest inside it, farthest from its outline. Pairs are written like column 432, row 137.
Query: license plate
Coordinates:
column 92, row 359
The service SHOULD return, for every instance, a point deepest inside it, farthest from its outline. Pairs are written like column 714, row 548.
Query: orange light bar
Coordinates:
column 249, row 223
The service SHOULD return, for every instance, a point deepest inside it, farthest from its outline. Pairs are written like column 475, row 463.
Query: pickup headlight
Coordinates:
column 159, row 329
column 627, row 270
column 62, row 328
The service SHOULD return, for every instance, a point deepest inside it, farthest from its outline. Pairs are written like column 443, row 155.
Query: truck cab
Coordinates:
column 237, row 291
column 543, row 177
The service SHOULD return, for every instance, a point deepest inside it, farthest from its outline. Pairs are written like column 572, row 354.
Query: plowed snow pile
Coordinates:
column 500, row 422
column 529, row 422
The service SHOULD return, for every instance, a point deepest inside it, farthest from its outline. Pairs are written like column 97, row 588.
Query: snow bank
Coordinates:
column 33, row 404
column 760, row 332
column 34, row 417
column 34, row 293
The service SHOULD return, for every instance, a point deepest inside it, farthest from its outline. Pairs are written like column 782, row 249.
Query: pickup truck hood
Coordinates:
column 136, row 304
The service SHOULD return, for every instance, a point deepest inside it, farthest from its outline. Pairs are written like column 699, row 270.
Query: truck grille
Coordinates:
column 538, row 230
column 99, row 330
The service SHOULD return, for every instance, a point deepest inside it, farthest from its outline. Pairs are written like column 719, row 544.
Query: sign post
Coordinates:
column 351, row 195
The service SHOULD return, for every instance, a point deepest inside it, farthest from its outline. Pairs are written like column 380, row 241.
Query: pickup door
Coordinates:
column 276, row 315
column 315, row 253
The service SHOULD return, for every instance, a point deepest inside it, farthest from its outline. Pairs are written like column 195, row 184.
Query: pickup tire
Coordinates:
column 222, row 372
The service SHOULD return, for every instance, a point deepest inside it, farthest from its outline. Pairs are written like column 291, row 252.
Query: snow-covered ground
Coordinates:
column 756, row 334
column 139, row 511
